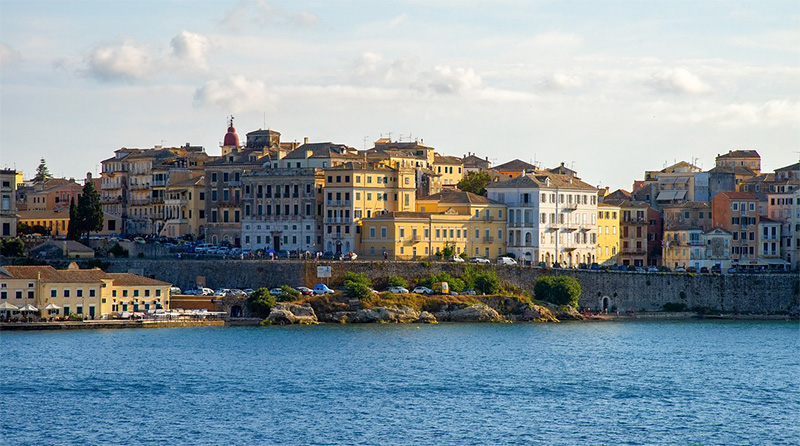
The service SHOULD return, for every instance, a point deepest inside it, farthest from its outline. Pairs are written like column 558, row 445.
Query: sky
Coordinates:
column 609, row 88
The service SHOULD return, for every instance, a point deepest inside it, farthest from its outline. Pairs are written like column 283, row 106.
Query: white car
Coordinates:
column 276, row 291
column 457, row 259
column 481, row 260
column 422, row 290
column 397, row 290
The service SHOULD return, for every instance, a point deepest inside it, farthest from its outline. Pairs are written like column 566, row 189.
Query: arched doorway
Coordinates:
column 236, row 311
column 606, row 304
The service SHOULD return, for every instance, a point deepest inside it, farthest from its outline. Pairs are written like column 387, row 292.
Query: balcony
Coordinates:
column 338, row 221
column 488, row 239
column 111, row 200
column 569, row 206
column 635, row 221
column 139, row 186
column 176, row 201
column 337, row 203
column 139, row 201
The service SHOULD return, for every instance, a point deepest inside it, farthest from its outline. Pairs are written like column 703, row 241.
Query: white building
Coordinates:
column 551, row 217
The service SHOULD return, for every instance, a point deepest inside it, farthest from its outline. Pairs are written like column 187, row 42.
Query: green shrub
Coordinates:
column 288, row 294
column 486, row 282
column 75, row 317
column 357, row 285
column 396, row 281
column 12, row 247
column 561, row 290
column 425, row 264
column 118, row 251
column 260, row 302
column 455, row 283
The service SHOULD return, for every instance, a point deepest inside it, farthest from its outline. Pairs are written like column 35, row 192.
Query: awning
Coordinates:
column 669, row 195
column 8, row 307
column 52, row 307
column 29, row 307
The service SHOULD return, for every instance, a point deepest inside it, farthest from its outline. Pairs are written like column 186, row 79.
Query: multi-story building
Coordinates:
column 91, row 293
column 184, row 212
column 693, row 214
column 134, row 184
column 745, row 158
column 693, row 247
column 282, row 209
column 513, row 168
column 608, row 232
column 223, row 184
column 552, row 218
column 8, row 203
column 52, row 194
column 485, row 221
column 737, row 213
column 785, row 208
column 357, row 190
column 636, row 220
column 769, row 238
column 187, row 166
column 472, row 163
column 450, row 168
column 316, row 155
column 425, row 153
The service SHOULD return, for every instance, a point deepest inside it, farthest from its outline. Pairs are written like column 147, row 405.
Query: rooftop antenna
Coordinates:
column 572, row 166
column 265, row 119
column 365, row 142
column 390, row 136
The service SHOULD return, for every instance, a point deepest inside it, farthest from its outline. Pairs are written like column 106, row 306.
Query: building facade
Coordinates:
column 8, row 203
column 608, row 232
column 552, row 218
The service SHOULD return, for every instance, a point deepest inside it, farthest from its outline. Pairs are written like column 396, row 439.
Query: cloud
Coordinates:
column 236, row 94
column 448, row 81
column 374, row 68
column 679, row 81
column 264, row 14
column 8, row 55
column 122, row 62
column 191, row 47
column 560, row 82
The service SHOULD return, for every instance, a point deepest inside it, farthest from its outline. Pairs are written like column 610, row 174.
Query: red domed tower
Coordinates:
column 231, row 141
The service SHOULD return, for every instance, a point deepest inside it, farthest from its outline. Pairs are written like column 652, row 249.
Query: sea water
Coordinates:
column 612, row 383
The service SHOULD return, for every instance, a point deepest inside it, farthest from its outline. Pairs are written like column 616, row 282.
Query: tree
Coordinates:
column 357, row 285
column 260, row 302
column 42, row 172
column 73, row 229
column 475, row 182
column 394, row 280
column 448, row 252
column 90, row 211
column 12, row 247
column 288, row 294
column 561, row 290
column 487, row 282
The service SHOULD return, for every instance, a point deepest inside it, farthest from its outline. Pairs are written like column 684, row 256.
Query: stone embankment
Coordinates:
column 616, row 291
column 490, row 311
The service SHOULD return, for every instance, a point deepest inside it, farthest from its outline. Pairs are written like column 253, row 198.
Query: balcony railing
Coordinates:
column 337, row 202
column 569, row 206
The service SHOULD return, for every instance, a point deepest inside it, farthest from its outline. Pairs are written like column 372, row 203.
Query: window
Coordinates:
column 53, row 293
column 79, row 292
column 383, row 231
column 66, row 293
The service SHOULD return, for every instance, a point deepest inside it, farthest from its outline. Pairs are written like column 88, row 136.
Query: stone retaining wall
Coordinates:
column 759, row 293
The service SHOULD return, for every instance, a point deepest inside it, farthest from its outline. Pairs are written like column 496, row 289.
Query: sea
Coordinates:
column 688, row 382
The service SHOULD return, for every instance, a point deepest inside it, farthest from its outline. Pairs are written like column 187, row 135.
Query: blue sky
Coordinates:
column 611, row 88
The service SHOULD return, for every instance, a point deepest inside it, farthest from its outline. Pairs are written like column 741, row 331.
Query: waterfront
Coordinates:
column 648, row 382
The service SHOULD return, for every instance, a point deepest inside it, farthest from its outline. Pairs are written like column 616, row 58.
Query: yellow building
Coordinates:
column 91, row 293
column 461, row 220
column 185, row 208
column 356, row 190
column 487, row 220
column 451, row 169
column 607, row 233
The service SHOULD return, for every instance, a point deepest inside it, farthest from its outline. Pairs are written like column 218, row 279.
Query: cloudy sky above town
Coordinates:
column 609, row 88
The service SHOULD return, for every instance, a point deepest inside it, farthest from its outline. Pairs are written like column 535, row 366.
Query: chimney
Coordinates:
column 305, row 140
column 64, row 248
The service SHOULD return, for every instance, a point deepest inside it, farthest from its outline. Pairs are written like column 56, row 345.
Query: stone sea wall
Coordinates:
column 757, row 293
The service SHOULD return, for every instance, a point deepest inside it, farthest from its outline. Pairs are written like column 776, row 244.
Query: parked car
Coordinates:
column 248, row 291
column 704, row 270
column 441, row 288
column 691, row 269
column 222, row 292
column 652, row 269
column 506, row 261
column 175, row 290
column 469, row 291
column 481, row 260
column 456, row 259
column 321, row 288
column 397, row 290
column 308, row 291
column 422, row 290
column 680, row 269
column 275, row 291
column 594, row 266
